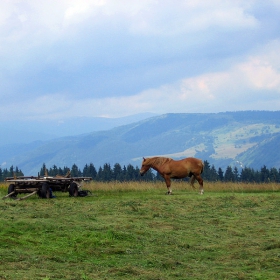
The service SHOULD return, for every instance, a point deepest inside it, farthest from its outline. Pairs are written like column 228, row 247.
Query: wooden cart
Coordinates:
column 43, row 186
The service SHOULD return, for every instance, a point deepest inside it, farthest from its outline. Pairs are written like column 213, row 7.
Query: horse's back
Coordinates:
column 194, row 165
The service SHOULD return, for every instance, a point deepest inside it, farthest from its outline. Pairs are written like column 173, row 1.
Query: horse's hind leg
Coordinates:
column 200, row 181
column 192, row 181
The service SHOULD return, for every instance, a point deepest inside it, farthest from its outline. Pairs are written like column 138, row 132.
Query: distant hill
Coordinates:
column 246, row 138
column 26, row 131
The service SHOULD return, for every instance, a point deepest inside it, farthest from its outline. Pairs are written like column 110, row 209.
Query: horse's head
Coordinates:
column 145, row 167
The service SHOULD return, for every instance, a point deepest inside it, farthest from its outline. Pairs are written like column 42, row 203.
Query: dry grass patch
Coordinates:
column 182, row 185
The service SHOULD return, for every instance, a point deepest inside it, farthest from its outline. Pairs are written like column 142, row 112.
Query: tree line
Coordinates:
column 116, row 172
column 10, row 172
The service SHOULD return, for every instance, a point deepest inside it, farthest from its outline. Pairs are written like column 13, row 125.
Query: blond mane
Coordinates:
column 158, row 161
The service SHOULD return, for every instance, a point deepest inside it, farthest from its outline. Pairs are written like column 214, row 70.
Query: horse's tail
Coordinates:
column 202, row 167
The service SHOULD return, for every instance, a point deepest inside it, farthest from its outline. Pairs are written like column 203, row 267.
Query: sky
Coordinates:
column 61, row 59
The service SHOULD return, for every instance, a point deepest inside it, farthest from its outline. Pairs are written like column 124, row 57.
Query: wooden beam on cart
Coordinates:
column 24, row 197
column 8, row 195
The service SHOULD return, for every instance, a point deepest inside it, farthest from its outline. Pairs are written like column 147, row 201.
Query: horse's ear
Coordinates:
column 144, row 159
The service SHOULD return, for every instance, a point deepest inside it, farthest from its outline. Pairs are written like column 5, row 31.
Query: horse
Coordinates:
column 176, row 169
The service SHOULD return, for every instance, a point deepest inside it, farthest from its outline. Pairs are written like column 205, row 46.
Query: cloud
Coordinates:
column 93, row 58
column 253, row 84
column 190, row 17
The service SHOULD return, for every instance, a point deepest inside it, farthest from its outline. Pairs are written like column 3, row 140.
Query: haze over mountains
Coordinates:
column 245, row 138
column 26, row 131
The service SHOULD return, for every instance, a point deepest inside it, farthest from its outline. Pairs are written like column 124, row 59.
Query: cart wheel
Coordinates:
column 11, row 188
column 45, row 191
column 73, row 189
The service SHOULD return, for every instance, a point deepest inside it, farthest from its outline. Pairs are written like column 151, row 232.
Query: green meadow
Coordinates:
column 134, row 231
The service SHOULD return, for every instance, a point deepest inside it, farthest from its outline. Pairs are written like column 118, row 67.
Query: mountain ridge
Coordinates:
column 41, row 130
column 243, row 138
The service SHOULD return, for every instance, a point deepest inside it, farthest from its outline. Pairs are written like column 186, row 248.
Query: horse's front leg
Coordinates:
column 168, row 184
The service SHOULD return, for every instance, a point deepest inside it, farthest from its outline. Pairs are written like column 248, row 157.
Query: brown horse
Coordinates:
column 176, row 169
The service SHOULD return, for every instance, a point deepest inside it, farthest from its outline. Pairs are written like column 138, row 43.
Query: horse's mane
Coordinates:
column 158, row 160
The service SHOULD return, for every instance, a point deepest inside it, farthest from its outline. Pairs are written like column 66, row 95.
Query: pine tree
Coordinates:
column 220, row 174
column 99, row 176
column 53, row 171
column 229, row 176
column 65, row 170
column 92, row 171
column 75, row 171
column 18, row 172
column 264, row 174
column 206, row 171
column 5, row 173
column 42, row 170
column 248, row 175
column 137, row 174
column 256, row 176
column 274, row 175
column 214, row 175
column 118, row 172
column 60, row 171
column 107, row 173
column 124, row 171
column 235, row 174
column 130, row 173
column 11, row 171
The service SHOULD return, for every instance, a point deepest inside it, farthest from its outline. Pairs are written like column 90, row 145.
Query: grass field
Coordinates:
column 135, row 231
